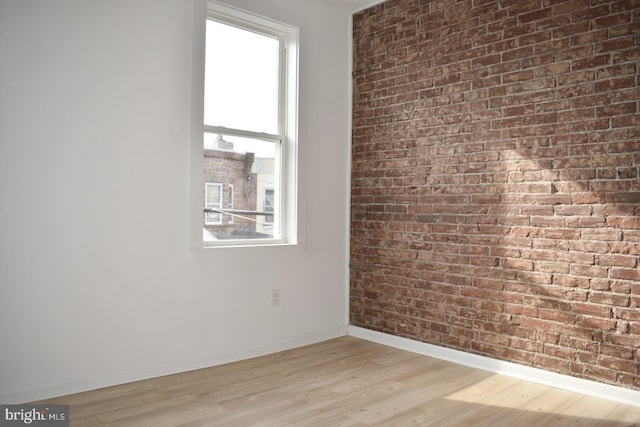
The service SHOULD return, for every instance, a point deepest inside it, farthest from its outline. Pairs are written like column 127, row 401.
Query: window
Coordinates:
column 267, row 205
column 230, row 199
column 249, row 141
column 212, row 203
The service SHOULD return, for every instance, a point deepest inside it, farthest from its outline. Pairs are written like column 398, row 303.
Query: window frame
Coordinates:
column 287, row 156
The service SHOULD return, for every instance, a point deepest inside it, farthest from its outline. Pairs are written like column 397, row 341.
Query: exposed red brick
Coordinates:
column 495, row 196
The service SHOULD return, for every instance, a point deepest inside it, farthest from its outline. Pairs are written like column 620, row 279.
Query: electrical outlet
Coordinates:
column 275, row 297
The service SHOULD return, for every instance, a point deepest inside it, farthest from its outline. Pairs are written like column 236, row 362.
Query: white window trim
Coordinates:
column 289, row 191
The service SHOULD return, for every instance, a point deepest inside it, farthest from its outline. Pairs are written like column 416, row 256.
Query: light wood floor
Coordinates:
column 342, row 382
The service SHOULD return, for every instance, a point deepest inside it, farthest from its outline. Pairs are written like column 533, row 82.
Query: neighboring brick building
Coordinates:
column 230, row 184
column 495, row 180
column 237, row 183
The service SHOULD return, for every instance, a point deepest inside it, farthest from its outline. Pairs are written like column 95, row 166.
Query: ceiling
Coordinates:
column 353, row 5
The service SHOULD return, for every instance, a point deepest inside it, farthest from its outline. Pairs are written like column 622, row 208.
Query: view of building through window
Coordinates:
column 243, row 133
column 239, row 185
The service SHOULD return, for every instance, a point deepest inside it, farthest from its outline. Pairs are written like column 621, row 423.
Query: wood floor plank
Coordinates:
column 346, row 382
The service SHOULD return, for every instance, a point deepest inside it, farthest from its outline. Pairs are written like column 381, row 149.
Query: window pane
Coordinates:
column 213, row 195
column 241, row 79
column 247, row 169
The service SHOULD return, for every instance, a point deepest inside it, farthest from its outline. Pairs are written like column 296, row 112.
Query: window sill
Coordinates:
column 244, row 244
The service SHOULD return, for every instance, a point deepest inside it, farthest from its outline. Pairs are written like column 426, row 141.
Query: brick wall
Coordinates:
column 495, row 180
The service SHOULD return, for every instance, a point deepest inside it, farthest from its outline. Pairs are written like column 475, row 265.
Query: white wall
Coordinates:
column 98, row 284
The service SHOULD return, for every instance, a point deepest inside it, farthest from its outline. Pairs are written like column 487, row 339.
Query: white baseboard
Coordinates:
column 552, row 379
column 540, row 376
column 169, row 367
